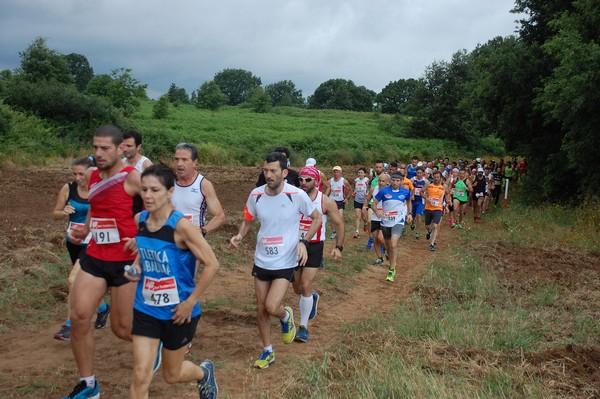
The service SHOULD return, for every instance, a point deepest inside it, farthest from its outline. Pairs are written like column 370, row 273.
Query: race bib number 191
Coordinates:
column 105, row 231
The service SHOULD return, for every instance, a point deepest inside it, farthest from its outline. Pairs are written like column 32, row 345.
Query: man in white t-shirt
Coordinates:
column 279, row 206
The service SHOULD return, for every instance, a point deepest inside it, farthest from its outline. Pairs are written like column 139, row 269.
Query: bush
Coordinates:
column 160, row 110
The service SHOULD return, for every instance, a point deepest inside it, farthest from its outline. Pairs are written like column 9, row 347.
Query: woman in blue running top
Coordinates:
column 72, row 205
column 167, row 308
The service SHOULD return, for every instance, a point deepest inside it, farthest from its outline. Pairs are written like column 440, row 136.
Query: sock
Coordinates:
column 286, row 317
column 269, row 348
column 306, row 304
column 90, row 381
column 68, row 323
column 103, row 307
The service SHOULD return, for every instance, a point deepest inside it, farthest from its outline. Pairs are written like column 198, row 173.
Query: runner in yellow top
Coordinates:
column 434, row 195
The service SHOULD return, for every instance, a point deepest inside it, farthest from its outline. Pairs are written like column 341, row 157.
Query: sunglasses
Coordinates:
column 306, row 179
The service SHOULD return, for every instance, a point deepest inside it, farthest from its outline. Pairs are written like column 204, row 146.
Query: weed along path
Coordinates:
column 34, row 365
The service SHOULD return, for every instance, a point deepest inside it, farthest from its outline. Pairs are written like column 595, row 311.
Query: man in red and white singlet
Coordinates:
column 278, row 206
column 114, row 190
column 309, row 178
column 339, row 191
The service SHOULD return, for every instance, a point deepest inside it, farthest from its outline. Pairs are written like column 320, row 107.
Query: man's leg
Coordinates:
column 87, row 291
column 121, row 315
column 144, row 354
column 306, row 279
column 269, row 295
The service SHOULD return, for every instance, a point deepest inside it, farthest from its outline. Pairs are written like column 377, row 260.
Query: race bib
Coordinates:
column 105, row 231
column 418, row 190
column 272, row 245
column 390, row 216
column 434, row 201
column 160, row 292
column 72, row 227
column 189, row 217
column 460, row 193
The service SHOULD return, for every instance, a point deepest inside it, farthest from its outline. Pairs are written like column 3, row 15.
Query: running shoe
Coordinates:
column 432, row 247
column 207, row 387
column 64, row 334
column 453, row 225
column 391, row 274
column 158, row 360
column 313, row 311
column 460, row 226
column 413, row 225
column 417, row 235
column 82, row 391
column 370, row 243
column 378, row 262
column 102, row 318
column 428, row 235
column 356, row 235
column 302, row 334
column 365, row 228
column 383, row 249
column 333, row 236
column 265, row 360
column 451, row 222
column 404, row 233
column 288, row 328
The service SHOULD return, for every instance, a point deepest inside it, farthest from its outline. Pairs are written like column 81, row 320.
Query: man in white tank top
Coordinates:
column 278, row 205
column 131, row 146
column 309, row 178
column 194, row 194
column 339, row 191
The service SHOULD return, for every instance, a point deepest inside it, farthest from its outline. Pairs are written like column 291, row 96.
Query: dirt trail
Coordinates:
column 35, row 365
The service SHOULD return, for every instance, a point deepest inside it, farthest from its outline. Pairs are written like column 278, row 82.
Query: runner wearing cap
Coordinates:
column 304, row 275
column 339, row 191
column 418, row 203
column 361, row 184
column 479, row 192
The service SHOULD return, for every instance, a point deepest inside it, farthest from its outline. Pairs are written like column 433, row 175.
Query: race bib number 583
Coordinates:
column 272, row 245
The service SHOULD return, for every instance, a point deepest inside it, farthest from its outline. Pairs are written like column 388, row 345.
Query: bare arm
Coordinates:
column 63, row 209
column 214, row 207
column 338, row 224
column 326, row 185
column 187, row 236
column 236, row 240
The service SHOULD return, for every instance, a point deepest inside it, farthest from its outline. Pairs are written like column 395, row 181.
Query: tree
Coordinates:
column 236, row 84
column 342, row 94
column 80, row 69
column 121, row 88
column 210, row 96
column 396, row 96
column 177, row 95
column 259, row 100
column 6, row 76
column 39, row 63
column 284, row 93
column 160, row 110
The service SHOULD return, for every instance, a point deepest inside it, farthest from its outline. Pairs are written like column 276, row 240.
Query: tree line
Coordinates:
column 537, row 91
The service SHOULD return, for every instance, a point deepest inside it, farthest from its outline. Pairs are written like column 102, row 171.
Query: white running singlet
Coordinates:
column 306, row 222
column 139, row 165
column 337, row 189
column 279, row 216
column 190, row 201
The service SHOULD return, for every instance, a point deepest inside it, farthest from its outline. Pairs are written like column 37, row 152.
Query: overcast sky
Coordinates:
column 186, row 42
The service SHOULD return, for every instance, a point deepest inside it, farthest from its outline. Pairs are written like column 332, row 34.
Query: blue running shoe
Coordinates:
column 432, row 247
column 313, row 311
column 428, row 236
column 370, row 243
column 82, row 391
column 302, row 334
column 207, row 387
column 158, row 360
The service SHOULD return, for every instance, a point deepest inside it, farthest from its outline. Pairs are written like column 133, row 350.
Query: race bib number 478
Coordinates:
column 160, row 292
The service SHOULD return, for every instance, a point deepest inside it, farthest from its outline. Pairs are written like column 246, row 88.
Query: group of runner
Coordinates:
column 137, row 231
column 418, row 194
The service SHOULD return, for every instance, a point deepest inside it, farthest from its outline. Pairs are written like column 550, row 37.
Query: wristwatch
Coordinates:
column 305, row 243
column 340, row 247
